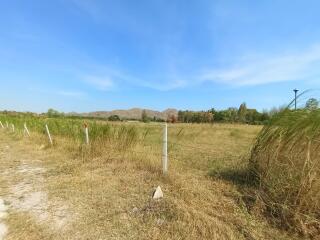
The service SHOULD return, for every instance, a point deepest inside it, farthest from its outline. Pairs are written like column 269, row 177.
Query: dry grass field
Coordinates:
column 103, row 191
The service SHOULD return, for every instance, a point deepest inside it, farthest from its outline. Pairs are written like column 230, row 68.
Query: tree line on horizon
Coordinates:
column 243, row 114
column 235, row 115
column 229, row 115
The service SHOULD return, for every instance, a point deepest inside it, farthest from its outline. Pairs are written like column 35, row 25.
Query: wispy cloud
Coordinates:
column 89, row 7
column 263, row 70
column 70, row 93
column 254, row 69
column 111, row 79
column 65, row 93
column 169, row 85
column 102, row 83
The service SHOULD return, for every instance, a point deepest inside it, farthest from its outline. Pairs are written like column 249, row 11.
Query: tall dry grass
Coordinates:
column 101, row 134
column 109, row 182
column 286, row 162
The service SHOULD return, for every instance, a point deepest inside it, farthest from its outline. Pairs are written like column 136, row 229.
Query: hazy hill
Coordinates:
column 134, row 113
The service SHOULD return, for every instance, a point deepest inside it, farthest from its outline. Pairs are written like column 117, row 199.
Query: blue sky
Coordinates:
column 87, row 55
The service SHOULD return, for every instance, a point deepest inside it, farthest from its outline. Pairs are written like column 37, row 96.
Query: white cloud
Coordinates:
column 248, row 70
column 263, row 70
column 102, row 83
column 244, row 71
column 165, row 86
column 70, row 93
column 66, row 93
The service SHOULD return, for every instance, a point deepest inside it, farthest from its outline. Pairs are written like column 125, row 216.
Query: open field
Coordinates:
column 159, row 120
column 103, row 191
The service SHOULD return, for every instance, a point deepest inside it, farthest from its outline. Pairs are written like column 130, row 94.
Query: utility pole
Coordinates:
column 295, row 98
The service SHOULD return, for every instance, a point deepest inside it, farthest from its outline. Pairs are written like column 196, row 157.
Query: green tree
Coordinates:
column 242, row 112
column 114, row 118
column 231, row 114
column 181, row 116
column 312, row 104
column 53, row 113
column 144, row 116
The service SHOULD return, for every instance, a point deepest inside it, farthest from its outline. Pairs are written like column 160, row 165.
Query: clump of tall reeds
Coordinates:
column 286, row 162
column 102, row 136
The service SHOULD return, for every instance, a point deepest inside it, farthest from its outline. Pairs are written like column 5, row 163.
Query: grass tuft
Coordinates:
column 286, row 163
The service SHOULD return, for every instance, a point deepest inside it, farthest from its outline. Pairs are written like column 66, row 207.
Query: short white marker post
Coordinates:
column 157, row 193
column 49, row 136
column 12, row 127
column 1, row 124
column 87, row 134
column 26, row 129
column 165, row 149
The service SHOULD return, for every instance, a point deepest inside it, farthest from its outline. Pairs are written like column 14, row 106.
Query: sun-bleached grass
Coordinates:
column 286, row 162
column 109, row 183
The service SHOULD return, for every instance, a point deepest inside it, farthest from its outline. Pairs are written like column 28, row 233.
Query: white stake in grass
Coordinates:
column 26, row 129
column 12, row 127
column 49, row 136
column 1, row 124
column 165, row 149
column 86, row 131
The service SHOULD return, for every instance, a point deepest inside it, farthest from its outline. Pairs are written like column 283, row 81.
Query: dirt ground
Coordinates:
column 51, row 194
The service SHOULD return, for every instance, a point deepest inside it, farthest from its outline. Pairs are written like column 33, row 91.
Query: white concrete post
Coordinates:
column 49, row 136
column 1, row 124
column 165, row 149
column 26, row 129
column 12, row 127
column 86, row 133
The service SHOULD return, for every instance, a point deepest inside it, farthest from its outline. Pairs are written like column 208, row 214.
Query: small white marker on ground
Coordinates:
column 157, row 193
column 1, row 124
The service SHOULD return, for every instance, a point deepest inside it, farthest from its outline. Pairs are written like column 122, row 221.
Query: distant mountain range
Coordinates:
column 134, row 113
